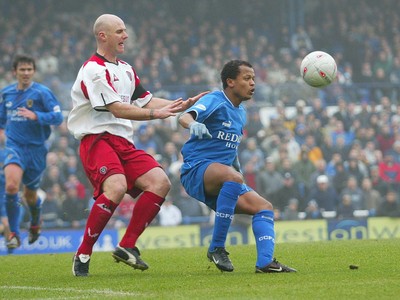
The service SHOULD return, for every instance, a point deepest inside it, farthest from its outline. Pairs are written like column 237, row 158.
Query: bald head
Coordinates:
column 104, row 23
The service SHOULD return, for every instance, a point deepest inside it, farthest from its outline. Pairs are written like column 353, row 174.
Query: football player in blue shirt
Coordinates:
column 3, row 214
column 211, row 170
column 27, row 110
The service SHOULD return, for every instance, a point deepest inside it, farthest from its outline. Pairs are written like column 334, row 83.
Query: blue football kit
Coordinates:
column 2, row 184
column 225, row 123
column 26, row 139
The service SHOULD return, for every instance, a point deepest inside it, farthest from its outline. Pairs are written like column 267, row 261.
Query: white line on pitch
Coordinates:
column 91, row 291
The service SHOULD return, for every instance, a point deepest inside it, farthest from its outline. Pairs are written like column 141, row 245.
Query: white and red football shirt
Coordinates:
column 98, row 83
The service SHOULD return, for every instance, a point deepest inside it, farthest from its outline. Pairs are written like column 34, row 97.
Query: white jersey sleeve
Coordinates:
column 99, row 89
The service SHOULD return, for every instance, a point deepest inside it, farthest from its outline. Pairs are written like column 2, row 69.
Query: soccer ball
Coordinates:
column 318, row 69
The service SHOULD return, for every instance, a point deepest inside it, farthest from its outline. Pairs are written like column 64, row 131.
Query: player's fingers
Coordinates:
column 200, row 95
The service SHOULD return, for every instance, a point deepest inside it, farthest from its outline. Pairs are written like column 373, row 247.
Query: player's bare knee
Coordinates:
column 265, row 204
column 268, row 206
column 30, row 197
column 115, row 192
column 162, row 187
column 11, row 188
column 235, row 177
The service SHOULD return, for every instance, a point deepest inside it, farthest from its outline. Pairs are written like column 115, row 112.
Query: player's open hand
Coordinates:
column 192, row 100
column 24, row 112
column 169, row 110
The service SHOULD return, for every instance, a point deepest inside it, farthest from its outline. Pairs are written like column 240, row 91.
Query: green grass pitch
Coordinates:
column 323, row 273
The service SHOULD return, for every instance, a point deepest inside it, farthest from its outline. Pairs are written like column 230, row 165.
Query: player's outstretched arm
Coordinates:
column 135, row 113
column 156, row 102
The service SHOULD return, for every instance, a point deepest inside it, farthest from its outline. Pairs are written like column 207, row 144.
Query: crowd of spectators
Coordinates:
column 339, row 149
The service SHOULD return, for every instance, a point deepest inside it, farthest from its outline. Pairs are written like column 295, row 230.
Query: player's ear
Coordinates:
column 102, row 35
column 230, row 82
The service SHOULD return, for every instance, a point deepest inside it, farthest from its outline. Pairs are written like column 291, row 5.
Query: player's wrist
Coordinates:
column 151, row 114
column 193, row 123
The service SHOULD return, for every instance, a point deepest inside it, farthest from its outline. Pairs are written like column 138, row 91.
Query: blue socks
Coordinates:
column 13, row 208
column 264, row 233
column 225, row 208
column 35, row 212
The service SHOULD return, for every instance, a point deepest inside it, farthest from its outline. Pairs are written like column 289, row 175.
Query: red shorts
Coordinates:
column 105, row 154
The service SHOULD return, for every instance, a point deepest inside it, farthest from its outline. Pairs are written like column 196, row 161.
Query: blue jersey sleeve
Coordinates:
column 205, row 106
column 52, row 114
column 3, row 109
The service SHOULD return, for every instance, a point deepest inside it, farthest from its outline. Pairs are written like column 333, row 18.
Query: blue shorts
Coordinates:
column 31, row 159
column 192, row 180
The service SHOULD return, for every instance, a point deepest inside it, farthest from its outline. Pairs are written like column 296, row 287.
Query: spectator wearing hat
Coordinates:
column 312, row 210
column 324, row 194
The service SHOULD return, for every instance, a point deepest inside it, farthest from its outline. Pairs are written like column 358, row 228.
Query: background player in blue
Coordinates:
column 3, row 214
column 211, row 170
column 27, row 109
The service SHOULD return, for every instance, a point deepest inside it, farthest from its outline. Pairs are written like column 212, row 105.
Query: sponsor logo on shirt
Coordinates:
column 125, row 99
column 227, row 124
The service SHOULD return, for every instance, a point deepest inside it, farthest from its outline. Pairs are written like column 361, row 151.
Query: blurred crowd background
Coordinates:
column 329, row 153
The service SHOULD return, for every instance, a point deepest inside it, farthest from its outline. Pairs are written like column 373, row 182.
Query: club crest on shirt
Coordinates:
column 29, row 103
column 103, row 170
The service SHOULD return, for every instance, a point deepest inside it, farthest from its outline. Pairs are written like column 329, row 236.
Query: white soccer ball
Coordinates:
column 318, row 69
